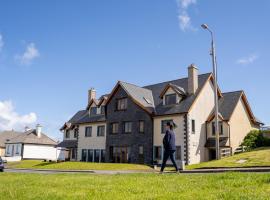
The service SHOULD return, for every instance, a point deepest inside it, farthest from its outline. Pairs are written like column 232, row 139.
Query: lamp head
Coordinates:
column 204, row 26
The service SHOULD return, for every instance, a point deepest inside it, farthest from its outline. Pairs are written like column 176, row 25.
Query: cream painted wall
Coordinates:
column 240, row 125
column 93, row 142
column 179, row 131
column 32, row 151
column 199, row 112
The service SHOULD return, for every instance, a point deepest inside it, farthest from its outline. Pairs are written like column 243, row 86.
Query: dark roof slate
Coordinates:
column 211, row 142
column 68, row 144
column 185, row 104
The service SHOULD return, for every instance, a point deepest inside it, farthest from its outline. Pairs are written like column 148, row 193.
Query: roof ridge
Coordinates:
column 175, row 80
column 233, row 91
column 135, row 85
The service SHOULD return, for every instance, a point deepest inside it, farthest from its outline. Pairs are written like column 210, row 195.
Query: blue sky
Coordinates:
column 52, row 52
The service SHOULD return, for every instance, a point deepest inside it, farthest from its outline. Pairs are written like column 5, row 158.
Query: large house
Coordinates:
column 128, row 124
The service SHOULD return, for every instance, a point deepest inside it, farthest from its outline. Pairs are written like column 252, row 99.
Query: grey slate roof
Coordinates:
column 30, row 137
column 142, row 95
column 185, row 104
column 228, row 103
column 6, row 136
column 86, row 118
column 68, row 144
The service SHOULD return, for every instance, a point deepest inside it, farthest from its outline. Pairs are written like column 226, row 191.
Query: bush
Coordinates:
column 255, row 139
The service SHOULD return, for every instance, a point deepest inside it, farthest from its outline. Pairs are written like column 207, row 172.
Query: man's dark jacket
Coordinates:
column 169, row 141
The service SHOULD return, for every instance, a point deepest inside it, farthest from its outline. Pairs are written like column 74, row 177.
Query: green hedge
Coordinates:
column 255, row 139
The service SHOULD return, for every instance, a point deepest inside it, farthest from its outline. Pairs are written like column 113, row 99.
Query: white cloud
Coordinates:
column 183, row 16
column 247, row 60
column 10, row 119
column 1, row 42
column 29, row 55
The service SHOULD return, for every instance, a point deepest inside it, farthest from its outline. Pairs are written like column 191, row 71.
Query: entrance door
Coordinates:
column 212, row 154
column 120, row 154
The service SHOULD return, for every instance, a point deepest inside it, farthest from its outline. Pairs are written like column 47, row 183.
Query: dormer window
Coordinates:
column 170, row 99
column 102, row 110
column 93, row 111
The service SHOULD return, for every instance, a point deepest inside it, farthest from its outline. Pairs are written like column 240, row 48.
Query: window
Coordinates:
column 8, row 149
column 122, row 104
column 76, row 132
column 84, row 153
column 220, row 128
column 114, row 127
column 17, row 149
column 90, row 155
column 100, row 131
column 73, row 153
column 67, row 134
column 178, row 153
column 102, row 110
column 140, row 150
column 88, row 131
column 157, row 152
column 164, row 124
column 96, row 155
column 102, row 159
column 170, row 99
column 193, row 129
column 93, row 111
column 127, row 127
column 141, row 126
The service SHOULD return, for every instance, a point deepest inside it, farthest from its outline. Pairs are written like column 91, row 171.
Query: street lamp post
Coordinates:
column 213, row 54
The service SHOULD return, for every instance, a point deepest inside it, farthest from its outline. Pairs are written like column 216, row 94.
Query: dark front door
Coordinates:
column 212, row 154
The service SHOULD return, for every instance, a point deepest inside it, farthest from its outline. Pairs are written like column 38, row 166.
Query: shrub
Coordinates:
column 255, row 139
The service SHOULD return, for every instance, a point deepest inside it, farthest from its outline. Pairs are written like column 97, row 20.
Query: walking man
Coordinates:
column 169, row 147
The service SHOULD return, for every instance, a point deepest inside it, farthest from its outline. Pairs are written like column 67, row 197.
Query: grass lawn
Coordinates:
column 135, row 186
column 34, row 164
column 258, row 157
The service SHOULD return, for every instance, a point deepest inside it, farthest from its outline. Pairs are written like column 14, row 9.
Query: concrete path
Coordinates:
column 112, row 172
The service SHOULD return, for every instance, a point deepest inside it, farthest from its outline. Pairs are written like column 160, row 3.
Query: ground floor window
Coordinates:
column 120, row 154
column 93, row 155
column 157, row 152
column 73, row 153
column 84, row 154
column 178, row 153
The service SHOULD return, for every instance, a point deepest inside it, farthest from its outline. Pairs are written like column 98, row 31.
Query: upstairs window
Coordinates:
column 121, row 104
column 102, row 110
column 76, row 132
column 93, row 111
column 170, row 99
column 127, row 127
column 88, row 131
column 114, row 127
column 141, row 126
column 193, row 126
column 67, row 134
column 220, row 128
column 100, row 131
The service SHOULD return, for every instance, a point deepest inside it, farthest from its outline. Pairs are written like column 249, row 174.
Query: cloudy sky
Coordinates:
column 52, row 52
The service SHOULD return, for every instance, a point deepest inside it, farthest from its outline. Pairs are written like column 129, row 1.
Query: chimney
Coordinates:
column 192, row 79
column 38, row 130
column 26, row 129
column 91, row 94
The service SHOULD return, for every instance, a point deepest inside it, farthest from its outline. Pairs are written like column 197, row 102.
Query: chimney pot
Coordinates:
column 38, row 130
column 91, row 94
column 192, row 79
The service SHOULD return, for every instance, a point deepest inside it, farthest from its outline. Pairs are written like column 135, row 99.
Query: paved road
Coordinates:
column 41, row 171
column 108, row 172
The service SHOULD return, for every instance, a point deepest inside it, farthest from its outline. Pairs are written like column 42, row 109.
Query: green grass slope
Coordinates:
column 258, row 157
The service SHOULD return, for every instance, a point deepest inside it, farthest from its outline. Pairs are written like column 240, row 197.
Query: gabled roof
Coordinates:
column 6, row 136
column 185, row 105
column 87, row 118
column 74, row 119
column 228, row 103
column 30, row 137
column 98, row 102
column 141, row 96
column 68, row 144
column 177, row 89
